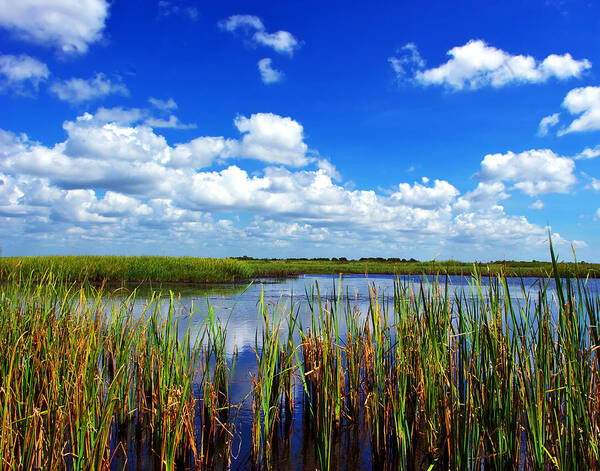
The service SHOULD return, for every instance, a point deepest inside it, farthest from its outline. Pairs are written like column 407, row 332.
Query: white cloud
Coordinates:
column 77, row 90
column 420, row 196
column 584, row 101
column 163, row 105
column 476, row 65
column 588, row 153
column 546, row 123
column 594, row 185
column 267, row 73
column 114, row 181
column 119, row 115
column 16, row 70
column 534, row 172
column 537, row 205
column 280, row 41
column 328, row 169
column 172, row 122
column 273, row 139
column 597, row 215
column 485, row 195
column 70, row 25
column 235, row 22
column 407, row 63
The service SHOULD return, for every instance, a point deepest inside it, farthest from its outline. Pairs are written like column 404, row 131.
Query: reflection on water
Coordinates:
column 237, row 305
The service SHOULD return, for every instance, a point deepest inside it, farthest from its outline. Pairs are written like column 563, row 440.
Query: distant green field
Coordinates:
column 114, row 268
column 210, row 270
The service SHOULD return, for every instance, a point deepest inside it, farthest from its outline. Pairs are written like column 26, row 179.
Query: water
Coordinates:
column 237, row 305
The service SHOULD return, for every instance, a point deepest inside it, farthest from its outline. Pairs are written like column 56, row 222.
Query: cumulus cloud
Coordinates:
column 485, row 195
column 546, row 123
column 533, row 172
column 267, row 73
column 441, row 194
column 588, row 153
column 123, row 181
column 16, row 71
column 597, row 215
column 585, row 102
column 77, row 90
column 280, row 41
column 537, row 205
column 273, row 139
column 69, row 25
column 476, row 65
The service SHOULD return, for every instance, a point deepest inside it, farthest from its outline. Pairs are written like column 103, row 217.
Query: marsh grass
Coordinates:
column 98, row 268
column 183, row 270
column 75, row 379
column 439, row 379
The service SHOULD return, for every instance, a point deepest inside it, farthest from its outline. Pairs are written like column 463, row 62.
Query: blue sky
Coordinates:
column 426, row 129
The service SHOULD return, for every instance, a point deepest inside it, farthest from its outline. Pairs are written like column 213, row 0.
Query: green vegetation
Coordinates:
column 468, row 381
column 437, row 380
column 76, row 381
column 135, row 269
column 393, row 266
column 97, row 269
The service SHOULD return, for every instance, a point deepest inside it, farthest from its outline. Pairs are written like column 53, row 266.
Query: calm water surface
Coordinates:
column 237, row 304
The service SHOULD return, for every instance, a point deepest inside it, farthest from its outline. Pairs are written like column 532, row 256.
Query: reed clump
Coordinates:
column 458, row 380
column 77, row 377
column 496, row 376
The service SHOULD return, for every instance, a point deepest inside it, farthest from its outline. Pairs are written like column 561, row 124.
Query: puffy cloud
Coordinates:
column 534, row 172
column 17, row 70
column 546, row 123
column 77, row 90
column 597, row 215
column 280, row 41
column 537, row 205
column 476, row 65
column 420, row 196
column 584, row 101
column 272, row 138
column 588, row 153
column 267, row 73
column 485, row 195
column 122, row 182
column 70, row 25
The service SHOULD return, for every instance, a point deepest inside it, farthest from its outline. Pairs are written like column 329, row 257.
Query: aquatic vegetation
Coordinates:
column 496, row 376
column 154, row 269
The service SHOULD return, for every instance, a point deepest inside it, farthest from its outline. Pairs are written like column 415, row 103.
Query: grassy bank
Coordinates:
column 207, row 270
column 290, row 267
column 135, row 269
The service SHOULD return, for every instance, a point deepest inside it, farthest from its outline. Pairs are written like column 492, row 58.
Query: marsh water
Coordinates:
column 237, row 306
